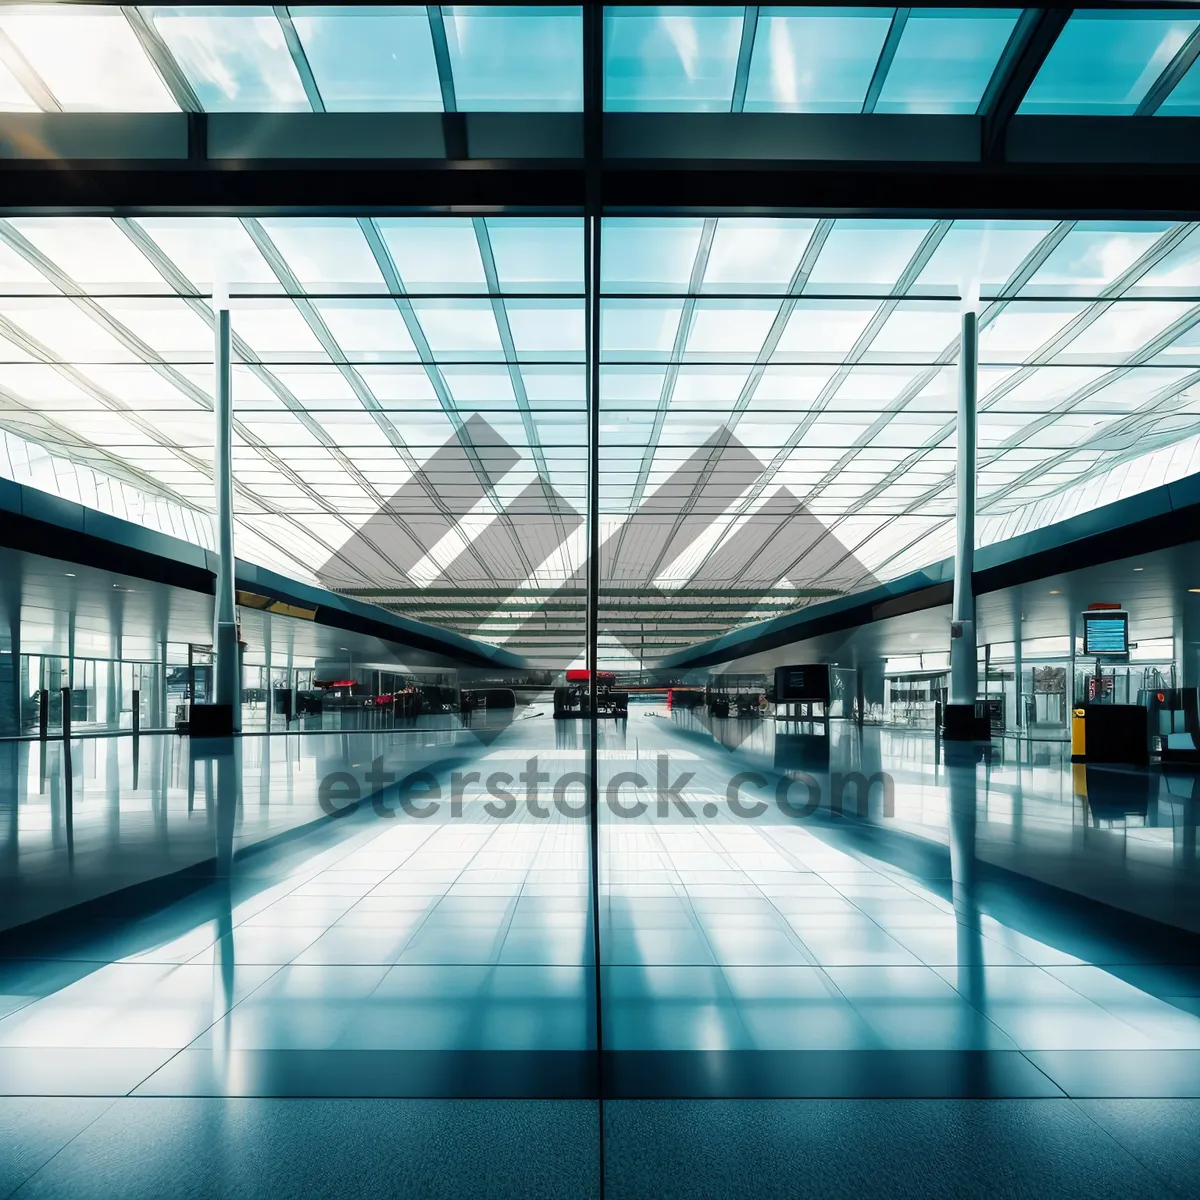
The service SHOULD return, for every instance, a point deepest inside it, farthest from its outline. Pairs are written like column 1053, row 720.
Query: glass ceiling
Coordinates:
column 410, row 397
column 662, row 58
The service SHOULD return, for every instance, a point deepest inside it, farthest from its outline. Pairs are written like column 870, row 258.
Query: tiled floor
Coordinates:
column 843, row 1149
column 822, row 992
column 112, row 812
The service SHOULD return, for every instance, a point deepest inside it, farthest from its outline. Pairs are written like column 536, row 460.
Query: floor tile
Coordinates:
column 1151, row 1074
column 441, row 1149
column 35, row 1128
column 847, row 1149
column 39, row 1071
column 1160, row 1134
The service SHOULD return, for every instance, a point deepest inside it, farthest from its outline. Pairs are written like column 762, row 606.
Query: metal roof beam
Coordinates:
column 741, row 74
column 1036, row 31
column 1172, row 73
column 299, row 59
column 888, row 52
column 26, row 76
column 162, row 59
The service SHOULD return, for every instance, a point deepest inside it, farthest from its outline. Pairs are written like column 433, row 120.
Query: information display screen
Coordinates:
column 810, row 682
column 1106, row 634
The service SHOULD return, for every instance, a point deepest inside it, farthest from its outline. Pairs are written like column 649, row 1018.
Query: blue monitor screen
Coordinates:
column 1106, row 634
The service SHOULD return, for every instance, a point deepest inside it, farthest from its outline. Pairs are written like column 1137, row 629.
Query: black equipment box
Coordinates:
column 807, row 683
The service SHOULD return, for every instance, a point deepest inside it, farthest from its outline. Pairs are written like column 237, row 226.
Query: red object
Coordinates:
column 1102, row 606
column 582, row 675
column 1161, row 698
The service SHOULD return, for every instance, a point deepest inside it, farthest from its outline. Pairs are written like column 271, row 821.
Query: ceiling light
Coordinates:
column 1194, row 589
column 69, row 574
column 1139, row 568
column 1055, row 592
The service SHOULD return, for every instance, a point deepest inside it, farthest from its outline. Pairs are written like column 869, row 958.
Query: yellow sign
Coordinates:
column 278, row 607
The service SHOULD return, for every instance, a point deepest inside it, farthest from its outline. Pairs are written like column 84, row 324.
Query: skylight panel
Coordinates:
column 1021, row 329
column 206, row 249
column 92, row 251
column 543, row 327
column 1092, row 256
column 516, row 58
column 755, row 254
column 13, row 97
column 987, row 253
column 866, row 256
column 648, row 254
column 945, row 60
column 236, row 59
column 89, row 58
column 434, row 254
column 629, row 328
column 273, row 327
column 736, row 327
column 370, row 59
column 825, row 327
column 815, row 59
column 1104, row 62
column 459, row 327
column 537, row 255
column 675, row 58
column 326, row 254
column 1126, row 327
column 916, row 329
column 367, row 329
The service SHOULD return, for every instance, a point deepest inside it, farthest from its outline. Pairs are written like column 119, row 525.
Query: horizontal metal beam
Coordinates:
column 651, row 625
column 854, row 163
column 650, row 594
column 629, row 615
column 260, row 142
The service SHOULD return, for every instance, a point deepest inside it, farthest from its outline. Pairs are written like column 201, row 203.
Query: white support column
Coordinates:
column 964, row 655
column 1187, row 640
column 226, row 669
column 163, row 715
column 1018, row 721
column 10, row 668
column 270, row 691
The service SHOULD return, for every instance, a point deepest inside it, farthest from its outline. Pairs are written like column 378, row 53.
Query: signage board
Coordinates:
column 1105, row 634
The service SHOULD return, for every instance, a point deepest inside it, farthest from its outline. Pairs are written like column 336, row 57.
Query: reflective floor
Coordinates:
column 820, row 948
column 83, row 820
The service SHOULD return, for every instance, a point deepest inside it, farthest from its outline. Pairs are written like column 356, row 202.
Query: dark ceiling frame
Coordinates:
column 995, row 163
